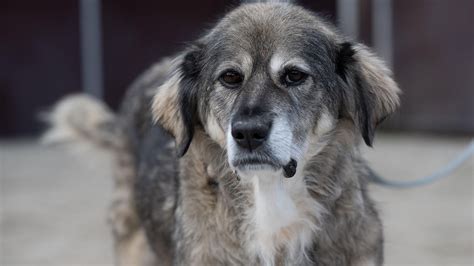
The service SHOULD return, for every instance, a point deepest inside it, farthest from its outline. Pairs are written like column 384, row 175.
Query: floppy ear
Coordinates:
column 174, row 105
column 371, row 93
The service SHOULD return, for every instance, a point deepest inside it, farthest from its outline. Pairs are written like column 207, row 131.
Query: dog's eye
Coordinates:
column 294, row 77
column 231, row 78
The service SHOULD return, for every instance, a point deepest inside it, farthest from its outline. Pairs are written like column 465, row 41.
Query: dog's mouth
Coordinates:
column 250, row 163
column 259, row 164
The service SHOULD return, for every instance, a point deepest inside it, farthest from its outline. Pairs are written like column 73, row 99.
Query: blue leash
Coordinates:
column 445, row 171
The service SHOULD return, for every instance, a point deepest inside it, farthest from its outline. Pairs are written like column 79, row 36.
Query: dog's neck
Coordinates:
column 279, row 216
column 284, row 217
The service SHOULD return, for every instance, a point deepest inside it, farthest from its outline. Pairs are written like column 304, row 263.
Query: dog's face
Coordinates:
column 270, row 80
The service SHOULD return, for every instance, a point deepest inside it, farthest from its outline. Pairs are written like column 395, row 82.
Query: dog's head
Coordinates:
column 269, row 80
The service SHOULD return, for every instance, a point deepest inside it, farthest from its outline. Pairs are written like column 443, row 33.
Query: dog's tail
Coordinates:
column 82, row 120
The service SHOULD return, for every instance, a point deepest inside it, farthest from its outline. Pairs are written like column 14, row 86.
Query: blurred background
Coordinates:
column 53, row 205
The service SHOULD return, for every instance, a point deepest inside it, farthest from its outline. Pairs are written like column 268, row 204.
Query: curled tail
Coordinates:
column 80, row 120
column 83, row 120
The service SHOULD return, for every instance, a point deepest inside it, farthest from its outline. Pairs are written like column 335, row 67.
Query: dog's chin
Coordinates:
column 252, row 172
column 249, row 168
column 253, row 169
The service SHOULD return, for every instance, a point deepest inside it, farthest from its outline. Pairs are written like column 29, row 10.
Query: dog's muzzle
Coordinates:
column 250, row 133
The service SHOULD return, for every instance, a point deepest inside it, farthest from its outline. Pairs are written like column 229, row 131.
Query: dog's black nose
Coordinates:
column 250, row 134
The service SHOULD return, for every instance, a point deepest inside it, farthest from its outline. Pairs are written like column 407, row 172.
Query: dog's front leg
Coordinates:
column 130, row 243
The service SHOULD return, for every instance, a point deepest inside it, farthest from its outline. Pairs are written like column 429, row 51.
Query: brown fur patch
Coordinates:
column 165, row 107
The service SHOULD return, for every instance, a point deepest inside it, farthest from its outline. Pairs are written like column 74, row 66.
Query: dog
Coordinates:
column 244, row 148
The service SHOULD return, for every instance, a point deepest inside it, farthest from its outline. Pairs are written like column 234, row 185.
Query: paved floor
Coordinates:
column 52, row 204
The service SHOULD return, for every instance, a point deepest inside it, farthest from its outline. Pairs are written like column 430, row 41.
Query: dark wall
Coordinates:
column 434, row 64
column 39, row 48
column 39, row 60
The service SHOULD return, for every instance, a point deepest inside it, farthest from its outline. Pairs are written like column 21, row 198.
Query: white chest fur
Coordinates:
column 284, row 216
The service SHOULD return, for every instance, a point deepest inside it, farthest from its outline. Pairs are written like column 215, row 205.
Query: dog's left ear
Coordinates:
column 371, row 93
column 174, row 105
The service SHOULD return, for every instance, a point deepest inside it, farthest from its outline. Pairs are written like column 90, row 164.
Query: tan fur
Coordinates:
column 78, row 119
column 164, row 107
column 136, row 251
column 383, row 88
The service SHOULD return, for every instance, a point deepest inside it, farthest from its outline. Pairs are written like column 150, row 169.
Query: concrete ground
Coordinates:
column 53, row 204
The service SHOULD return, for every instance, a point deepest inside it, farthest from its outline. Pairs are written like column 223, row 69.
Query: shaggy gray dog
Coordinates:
column 243, row 149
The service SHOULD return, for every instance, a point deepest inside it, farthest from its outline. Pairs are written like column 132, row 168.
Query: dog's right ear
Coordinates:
column 174, row 105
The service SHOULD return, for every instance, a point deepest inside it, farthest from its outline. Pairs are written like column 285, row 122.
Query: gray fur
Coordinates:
column 194, row 209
